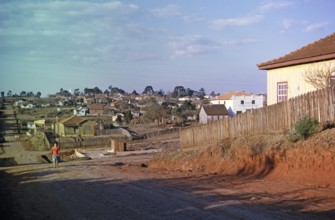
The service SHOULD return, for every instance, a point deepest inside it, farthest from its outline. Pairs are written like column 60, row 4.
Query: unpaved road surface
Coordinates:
column 124, row 188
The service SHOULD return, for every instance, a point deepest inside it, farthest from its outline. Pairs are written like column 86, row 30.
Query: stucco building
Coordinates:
column 286, row 75
column 239, row 101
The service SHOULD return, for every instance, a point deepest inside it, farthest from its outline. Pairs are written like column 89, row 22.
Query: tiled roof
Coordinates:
column 229, row 95
column 215, row 109
column 72, row 121
column 323, row 49
column 96, row 106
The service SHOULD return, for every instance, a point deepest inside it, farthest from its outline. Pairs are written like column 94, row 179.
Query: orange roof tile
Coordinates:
column 96, row 106
column 229, row 95
column 323, row 49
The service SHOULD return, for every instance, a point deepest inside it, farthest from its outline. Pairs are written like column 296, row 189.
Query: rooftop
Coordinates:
column 215, row 109
column 229, row 95
column 320, row 50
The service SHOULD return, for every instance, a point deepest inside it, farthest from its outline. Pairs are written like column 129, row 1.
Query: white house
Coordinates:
column 81, row 111
column 238, row 102
column 30, row 106
column 286, row 75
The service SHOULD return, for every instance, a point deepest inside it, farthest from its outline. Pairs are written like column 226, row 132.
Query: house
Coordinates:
column 31, row 126
column 101, row 98
column 136, row 113
column 96, row 109
column 81, row 111
column 239, row 101
column 30, row 106
column 74, row 126
column 38, row 124
column 286, row 75
column 209, row 113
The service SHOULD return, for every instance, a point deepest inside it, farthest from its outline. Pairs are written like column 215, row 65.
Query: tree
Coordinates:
column 155, row 112
column 117, row 90
column 30, row 94
column 38, row 94
column 202, row 94
column 189, row 92
column 23, row 93
column 2, row 94
column 213, row 94
column 76, row 92
column 161, row 93
column 97, row 90
column 188, row 105
column 134, row 93
column 128, row 116
column 179, row 91
column 119, row 119
column 148, row 90
column 320, row 77
column 9, row 93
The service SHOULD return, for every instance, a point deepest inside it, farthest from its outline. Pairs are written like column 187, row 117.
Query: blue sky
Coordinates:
column 215, row 45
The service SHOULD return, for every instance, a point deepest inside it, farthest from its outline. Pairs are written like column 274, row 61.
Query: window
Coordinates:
column 281, row 91
column 253, row 102
column 242, row 102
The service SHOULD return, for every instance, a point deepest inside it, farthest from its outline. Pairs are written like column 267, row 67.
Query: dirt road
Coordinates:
column 124, row 188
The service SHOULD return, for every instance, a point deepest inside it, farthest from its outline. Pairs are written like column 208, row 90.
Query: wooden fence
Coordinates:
column 276, row 118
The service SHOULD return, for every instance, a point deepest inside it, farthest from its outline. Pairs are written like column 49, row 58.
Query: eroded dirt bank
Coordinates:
column 273, row 157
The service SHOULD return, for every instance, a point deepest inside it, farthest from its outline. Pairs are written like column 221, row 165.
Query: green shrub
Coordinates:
column 305, row 127
column 293, row 137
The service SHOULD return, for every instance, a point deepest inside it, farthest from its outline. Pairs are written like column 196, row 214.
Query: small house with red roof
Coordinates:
column 286, row 75
column 239, row 101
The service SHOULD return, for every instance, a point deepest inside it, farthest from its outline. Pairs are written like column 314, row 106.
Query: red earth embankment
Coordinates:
column 310, row 161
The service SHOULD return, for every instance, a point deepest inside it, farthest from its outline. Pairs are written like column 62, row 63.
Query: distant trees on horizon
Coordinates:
column 179, row 91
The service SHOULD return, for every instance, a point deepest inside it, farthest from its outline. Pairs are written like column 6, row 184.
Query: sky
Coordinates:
column 46, row 46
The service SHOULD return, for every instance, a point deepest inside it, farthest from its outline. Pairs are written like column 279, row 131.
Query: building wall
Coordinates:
column 295, row 78
column 87, row 129
column 202, row 116
column 234, row 105
column 228, row 103
column 247, row 103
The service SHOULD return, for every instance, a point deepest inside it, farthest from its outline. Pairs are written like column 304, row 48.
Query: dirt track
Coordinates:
column 124, row 188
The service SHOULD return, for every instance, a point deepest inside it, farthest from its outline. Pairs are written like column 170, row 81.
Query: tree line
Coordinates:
column 179, row 91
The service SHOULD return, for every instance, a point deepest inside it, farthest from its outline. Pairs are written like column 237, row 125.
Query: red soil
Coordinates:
column 310, row 162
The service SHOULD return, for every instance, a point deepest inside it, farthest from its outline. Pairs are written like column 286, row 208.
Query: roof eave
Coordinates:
column 296, row 62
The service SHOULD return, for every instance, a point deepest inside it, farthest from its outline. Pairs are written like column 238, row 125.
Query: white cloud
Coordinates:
column 168, row 11
column 316, row 27
column 192, row 18
column 290, row 23
column 219, row 24
column 240, row 42
column 65, row 29
column 190, row 45
column 273, row 5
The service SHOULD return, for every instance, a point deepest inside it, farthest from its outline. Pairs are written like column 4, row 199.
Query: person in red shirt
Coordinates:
column 55, row 153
